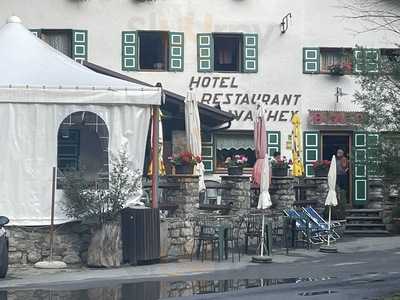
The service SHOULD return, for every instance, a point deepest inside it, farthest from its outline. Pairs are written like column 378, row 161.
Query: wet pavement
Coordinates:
column 364, row 269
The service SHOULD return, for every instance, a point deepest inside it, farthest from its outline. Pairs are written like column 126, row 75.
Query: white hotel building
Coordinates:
column 233, row 54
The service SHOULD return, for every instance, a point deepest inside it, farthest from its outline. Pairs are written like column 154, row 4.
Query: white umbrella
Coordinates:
column 193, row 134
column 331, row 199
column 264, row 201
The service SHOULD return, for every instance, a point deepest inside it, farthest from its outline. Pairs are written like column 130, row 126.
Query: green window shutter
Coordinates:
column 250, row 53
column 205, row 52
column 273, row 142
column 311, row 151
column 36, row 32
column 176, row 51
column 373, row 154
column 79, row 45
column 129, row 51
column 311, row 60
column 207, row 152
column 366, row 61
column 360, row 174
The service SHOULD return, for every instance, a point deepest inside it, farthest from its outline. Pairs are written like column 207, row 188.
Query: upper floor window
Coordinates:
column 336, row 60
column 227, row 52
column 72, row 43
column 152, row 51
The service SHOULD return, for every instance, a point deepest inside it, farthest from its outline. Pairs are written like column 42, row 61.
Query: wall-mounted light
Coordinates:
column 285, row 22
column 339, row 93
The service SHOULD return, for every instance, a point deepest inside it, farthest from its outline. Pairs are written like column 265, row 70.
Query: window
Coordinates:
column 390, row 60
column 72, row 43
column 60, row 40
column 227, row 52
column 152, row 51
column 336, row 60
column 82, row 146
column 228, row 145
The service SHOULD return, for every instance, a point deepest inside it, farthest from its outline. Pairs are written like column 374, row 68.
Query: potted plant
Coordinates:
column 184, row 162
column 235, row 164
column 280, row 166
column 99, row 204
column 321, row 168
column 340, row 69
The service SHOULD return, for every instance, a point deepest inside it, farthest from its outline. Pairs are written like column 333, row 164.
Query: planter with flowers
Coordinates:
column 280, row 167
column 340, row 69
column 184, row 162
column 235, row 164
column 321, row 168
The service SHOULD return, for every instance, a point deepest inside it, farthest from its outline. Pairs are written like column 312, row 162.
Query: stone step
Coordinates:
column 366, row 232
column 364, row 225
column 364, row 210
column 363, row 218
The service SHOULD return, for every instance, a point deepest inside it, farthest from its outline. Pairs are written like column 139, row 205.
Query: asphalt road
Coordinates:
column 369, row 270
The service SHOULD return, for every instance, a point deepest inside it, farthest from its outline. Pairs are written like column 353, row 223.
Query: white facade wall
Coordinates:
column 315, row 23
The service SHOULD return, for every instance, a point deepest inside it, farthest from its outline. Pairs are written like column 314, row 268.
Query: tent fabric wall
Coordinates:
column 29, row 151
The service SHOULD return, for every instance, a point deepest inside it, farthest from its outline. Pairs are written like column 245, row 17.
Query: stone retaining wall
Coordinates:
column 29, row 245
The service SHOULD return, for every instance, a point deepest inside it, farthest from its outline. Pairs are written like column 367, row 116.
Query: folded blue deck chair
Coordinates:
column 320, row 221
column 313, row 234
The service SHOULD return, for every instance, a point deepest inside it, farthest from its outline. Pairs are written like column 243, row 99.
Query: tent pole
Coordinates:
column 154, row 156
column 53, row 189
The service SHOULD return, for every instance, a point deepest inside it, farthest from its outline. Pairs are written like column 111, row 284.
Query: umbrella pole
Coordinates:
column 329, row 224
column 262, row 235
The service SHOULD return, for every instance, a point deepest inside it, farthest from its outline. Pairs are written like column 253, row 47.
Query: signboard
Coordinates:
column 226, row 92
column 335, row 118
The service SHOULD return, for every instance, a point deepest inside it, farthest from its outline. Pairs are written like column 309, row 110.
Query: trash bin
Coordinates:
column 140, row 235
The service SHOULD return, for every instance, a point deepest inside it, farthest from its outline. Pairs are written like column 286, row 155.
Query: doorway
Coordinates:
column 331, row 143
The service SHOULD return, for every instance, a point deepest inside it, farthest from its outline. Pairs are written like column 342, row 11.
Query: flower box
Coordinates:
column 235, row 171
column 184, row 169
column 279, row 172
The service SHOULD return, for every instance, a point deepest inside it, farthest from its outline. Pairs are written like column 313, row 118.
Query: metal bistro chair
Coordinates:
column 253, row 229
column 204, row 233
column 232, row 227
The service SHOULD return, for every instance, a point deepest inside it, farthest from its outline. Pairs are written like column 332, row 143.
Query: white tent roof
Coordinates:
column 27, row 61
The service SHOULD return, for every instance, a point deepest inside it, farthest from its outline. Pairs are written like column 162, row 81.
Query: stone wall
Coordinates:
column 316, row 191
column 282, row 193
column 236, row 191
column 180, row 230
column 375, row 193
column 391, row 191
column 29, row 245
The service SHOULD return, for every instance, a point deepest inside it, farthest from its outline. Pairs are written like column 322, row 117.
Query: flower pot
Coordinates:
column 235, row 171
column 279, row 172
column 184, row 169
column 321, row 172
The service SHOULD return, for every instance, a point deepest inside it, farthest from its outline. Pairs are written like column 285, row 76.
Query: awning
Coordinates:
column 236, row 141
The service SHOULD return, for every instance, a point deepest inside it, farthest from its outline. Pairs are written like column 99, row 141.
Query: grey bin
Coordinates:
column 140, row 235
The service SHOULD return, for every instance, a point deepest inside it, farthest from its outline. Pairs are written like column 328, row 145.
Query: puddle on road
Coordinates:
column 151, row 290
column 317, row 293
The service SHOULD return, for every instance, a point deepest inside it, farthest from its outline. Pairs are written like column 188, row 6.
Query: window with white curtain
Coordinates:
column 60, row 40
column 331, row 57
column 228, row 145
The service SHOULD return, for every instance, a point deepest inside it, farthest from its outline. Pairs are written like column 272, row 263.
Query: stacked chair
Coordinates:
column 310, row 227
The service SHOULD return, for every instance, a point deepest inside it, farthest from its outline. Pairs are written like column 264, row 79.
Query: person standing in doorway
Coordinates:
column 342, row 171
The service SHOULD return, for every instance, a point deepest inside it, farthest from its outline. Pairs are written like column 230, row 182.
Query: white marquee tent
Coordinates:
column 39, row 88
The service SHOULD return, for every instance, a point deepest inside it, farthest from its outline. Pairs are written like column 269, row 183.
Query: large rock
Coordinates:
column 105, row 249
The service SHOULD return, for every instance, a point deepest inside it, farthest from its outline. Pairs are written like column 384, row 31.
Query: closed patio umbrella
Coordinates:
column 298, row 167
column 161, row 165
column 260, row 143
column 193, row 134
column 264, row 201
column 331, row 200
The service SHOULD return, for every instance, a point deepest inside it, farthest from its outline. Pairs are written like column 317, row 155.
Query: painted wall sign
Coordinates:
column 225, row 91
column 335, row 118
